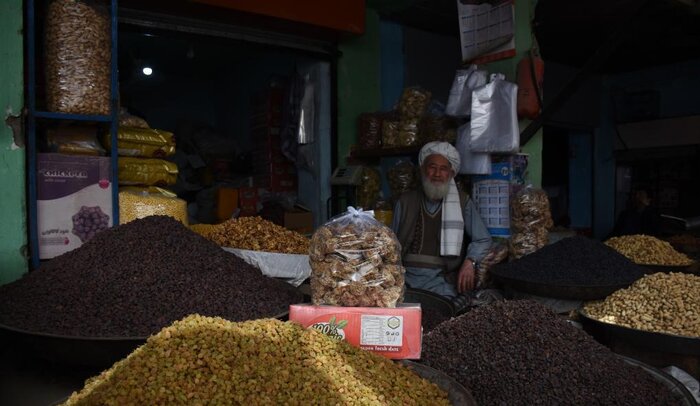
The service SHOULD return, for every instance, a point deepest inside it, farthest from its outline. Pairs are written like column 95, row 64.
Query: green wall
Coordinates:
column 359, row 75
column 13, row 228
column 524, row 13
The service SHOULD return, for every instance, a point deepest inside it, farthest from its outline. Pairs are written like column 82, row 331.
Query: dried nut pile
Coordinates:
column 258, row 234
column 356, row 263
column 665, row 303
column 134, row 205
column 204, row 360
column 647, row 250
column 530, row 221
column 203, row 229
column 78, row 55
column 522, row 353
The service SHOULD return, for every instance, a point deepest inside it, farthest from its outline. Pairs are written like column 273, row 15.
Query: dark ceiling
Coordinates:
column 609, row 35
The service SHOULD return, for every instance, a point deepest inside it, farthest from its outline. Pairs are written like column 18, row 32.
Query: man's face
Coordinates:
column 437, row 172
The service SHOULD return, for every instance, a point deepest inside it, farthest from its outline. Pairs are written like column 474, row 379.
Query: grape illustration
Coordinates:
column 89, row 221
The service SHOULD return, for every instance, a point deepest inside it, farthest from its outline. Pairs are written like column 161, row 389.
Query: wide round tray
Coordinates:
column 649, row 269
column 662, row 342
column 458, row 394
column 429, row 299
column 677, row 389
column 558, row 291
column 87, row 351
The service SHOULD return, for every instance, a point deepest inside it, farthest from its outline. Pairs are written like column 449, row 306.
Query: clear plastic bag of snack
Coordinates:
column 390, row 131
column 497, row 254
column 414, row 101
column 530, row 208
column 356, row 261
column 369, row 128
column 437, row 127
column 368, row 190
column 402, row 178
column 129, row 120
column 408, row 132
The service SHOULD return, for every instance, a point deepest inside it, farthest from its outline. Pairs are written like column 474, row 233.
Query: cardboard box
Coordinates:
column 301, row 221
column 74, row 201
column 491, row 193
column 391, row 332
column 248, row 201
column 226, row 203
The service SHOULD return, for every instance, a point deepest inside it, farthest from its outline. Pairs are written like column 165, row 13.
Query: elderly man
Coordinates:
column 442, row 236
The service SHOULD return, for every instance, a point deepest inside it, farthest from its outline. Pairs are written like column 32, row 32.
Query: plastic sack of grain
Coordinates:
column 356, row 261
column 147, row 172
column 136, row 203
column 143, row 142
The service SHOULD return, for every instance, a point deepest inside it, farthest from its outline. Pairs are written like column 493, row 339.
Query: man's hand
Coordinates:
column 465, row 278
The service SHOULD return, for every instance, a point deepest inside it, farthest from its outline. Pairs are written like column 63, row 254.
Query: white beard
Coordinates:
column 433, row 190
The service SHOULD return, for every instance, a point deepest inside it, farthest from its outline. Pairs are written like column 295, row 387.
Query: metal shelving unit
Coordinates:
column 32, row 116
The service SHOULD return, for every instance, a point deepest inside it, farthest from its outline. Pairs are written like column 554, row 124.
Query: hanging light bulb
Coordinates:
column 147, row 70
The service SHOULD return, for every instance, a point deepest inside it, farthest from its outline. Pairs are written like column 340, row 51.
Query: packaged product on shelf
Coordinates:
column 413, row 102
column 368, row 190
column 140, row 202
column 402, row 177
column 77, row 57
column 437, row 127
column 148, row 172
column 74, row 201
column 143, row 142
column 130, row 120
column 390, row 131
column 408, row 132
column 356, row 261
column 369, row 126
column 74, row 140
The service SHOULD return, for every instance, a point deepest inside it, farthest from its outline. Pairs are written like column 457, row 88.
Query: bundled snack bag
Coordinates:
column 356, row 261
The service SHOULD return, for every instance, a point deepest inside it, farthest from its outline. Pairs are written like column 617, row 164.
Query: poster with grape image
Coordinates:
column 89, row 221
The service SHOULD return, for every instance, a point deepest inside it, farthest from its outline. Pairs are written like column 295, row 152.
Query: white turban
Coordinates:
column 441, row 148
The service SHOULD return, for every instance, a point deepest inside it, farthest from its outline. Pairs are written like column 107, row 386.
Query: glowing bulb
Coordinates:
column 147, row 71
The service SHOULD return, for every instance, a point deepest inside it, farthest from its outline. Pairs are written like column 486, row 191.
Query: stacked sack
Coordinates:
column 143, row 173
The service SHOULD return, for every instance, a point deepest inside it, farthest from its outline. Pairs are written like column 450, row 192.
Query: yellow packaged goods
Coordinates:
column 648, row 250
column 136, row 203
column 74, row 140
column 143, row 142
column 258, row 234
column 148, row 172
column 211, row 361
column 661, row 302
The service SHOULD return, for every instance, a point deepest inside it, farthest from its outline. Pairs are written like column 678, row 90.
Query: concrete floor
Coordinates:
column 26, row 380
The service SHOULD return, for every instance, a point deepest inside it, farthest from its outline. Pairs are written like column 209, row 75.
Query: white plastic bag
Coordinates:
column 293, row 268
column 472, row 163
column 494, row 123
column 686, row 379
column 459, row 101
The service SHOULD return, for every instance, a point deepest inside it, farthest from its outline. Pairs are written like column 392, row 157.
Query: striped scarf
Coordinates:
column 452, row 230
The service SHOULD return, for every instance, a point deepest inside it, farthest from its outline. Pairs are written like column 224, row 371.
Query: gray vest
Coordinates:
column 411, row 206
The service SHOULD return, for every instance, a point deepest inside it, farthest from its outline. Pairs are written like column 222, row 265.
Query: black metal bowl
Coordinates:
column 570, row 292
column 677, row 389
column 649, row 269
column 72, row 350
column 458, row 394
column 663, row 342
